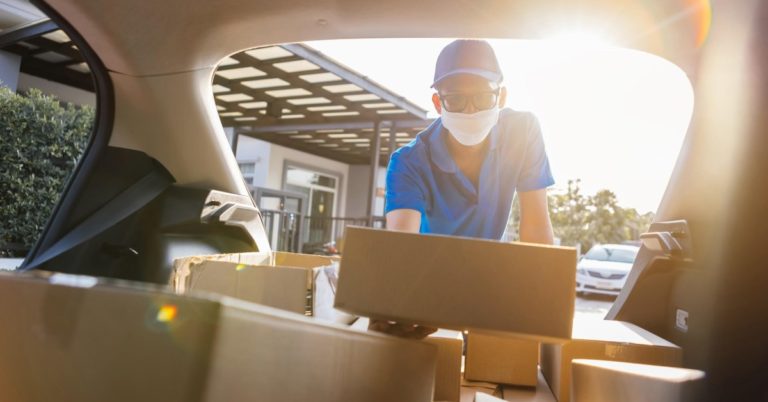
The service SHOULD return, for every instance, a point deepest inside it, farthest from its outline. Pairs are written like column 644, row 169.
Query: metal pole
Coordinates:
column 392, row 138
column 235, row 140
column 375, row 147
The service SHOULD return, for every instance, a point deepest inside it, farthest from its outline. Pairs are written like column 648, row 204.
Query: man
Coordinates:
column 459, row 176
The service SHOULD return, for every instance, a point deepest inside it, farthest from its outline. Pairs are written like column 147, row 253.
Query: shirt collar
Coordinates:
column 438, row 150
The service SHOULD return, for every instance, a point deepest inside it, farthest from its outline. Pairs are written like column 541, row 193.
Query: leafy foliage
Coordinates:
column 41, row 141
column 581, row 221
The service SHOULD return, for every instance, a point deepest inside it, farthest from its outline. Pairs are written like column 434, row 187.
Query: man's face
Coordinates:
column 467, row 93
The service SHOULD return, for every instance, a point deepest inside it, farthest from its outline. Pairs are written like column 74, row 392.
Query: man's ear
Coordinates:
column 502, row 97
column 437, row 104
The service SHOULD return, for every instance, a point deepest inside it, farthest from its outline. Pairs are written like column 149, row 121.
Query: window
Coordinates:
column 248, row 169
column 42, row 72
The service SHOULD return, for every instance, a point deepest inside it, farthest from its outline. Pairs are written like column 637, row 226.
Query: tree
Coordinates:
column 41, row 140
column 582, row 221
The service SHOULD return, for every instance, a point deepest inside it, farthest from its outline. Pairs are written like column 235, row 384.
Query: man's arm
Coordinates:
column 535, row 225
column 404, row 220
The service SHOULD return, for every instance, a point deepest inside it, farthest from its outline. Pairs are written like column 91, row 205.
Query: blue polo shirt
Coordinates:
column 423, row 176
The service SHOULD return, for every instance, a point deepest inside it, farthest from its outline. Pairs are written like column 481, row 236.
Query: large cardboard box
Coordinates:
column 603, row 340
column 301, row 283
column 448, row 371
column 608, row 381
column 458, row 283
column 541, row 393
column 72, row 338
column 501, row 359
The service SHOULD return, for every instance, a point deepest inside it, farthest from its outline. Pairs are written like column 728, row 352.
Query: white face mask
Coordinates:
column 470, row 129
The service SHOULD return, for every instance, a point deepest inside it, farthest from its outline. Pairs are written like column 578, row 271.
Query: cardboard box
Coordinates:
column 74, row 338
column 448, row 372
column 541, row 393
column 470, row 393
column 469, row 389
column 500, row 359
column 608, row 381
column 300, row 283
column 458, row 283
column 603, row 340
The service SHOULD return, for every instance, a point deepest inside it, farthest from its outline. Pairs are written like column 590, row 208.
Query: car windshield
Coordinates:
column 600, row 253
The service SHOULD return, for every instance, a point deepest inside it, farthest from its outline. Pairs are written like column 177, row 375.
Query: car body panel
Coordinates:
column 718, row 186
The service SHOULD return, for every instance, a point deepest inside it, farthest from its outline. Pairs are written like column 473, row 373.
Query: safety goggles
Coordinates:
column 458, row 102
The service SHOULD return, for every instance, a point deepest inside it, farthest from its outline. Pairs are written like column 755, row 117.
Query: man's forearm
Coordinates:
column 541, row 234
column 535, row 225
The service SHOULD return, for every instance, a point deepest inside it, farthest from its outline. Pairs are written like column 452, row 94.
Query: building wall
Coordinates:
column 357, row 201
column 61, row 91
column 257, row 151
column 279, row 155
column 271, row 161
column 9, row 69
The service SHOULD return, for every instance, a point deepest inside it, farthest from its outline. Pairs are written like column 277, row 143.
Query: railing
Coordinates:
column 291, row 231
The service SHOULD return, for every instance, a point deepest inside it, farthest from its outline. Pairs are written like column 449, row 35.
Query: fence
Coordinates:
column 291, row 231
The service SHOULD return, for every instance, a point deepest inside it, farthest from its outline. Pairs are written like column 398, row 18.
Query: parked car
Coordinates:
column 604, row 268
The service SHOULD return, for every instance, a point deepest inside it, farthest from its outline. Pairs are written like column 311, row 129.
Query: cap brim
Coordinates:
column 488, row 75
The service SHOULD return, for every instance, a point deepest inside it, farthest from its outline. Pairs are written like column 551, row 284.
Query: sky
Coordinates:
column 614, row 118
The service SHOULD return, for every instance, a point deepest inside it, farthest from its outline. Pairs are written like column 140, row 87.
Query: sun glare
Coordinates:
column 613, row 117
column 578, row 39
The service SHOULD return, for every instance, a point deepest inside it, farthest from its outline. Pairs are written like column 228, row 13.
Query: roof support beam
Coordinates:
column 392, row 141
column 355, row 125
column 27, row 31
column 375, row 146
column 354, row 78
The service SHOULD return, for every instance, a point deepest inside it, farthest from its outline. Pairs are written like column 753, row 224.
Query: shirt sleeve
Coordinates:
column 535, row 173
column 404, row 189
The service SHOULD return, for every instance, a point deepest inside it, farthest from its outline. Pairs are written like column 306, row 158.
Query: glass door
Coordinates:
column 321, row 190
column 283, row 214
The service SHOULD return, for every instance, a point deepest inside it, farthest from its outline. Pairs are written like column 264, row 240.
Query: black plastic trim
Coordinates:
column 102, row 131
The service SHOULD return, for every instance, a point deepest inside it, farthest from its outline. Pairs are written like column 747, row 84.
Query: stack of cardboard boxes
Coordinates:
column 509, row 297
column 515, row 302
column 73, row 338
column 79, row 338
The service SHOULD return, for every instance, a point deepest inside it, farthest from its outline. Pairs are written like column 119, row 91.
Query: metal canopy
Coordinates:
column 295, row 96
column 47, row 52
column 291, row 95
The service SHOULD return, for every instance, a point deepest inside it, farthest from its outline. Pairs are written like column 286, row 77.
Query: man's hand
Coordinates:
column 401, row 330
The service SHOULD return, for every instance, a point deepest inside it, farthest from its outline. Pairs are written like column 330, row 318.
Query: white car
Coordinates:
column 604, row 268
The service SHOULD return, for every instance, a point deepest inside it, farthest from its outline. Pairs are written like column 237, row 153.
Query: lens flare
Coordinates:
column 167, row 313
column 703, row 14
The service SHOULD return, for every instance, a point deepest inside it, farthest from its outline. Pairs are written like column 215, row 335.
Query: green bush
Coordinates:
column 42, row 140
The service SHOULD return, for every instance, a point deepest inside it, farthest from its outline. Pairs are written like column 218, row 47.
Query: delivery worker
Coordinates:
column 459, row 176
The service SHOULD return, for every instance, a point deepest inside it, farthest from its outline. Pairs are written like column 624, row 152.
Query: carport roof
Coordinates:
column 291, row 95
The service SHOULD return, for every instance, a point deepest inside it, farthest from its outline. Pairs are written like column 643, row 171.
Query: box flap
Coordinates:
column 448, row 373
